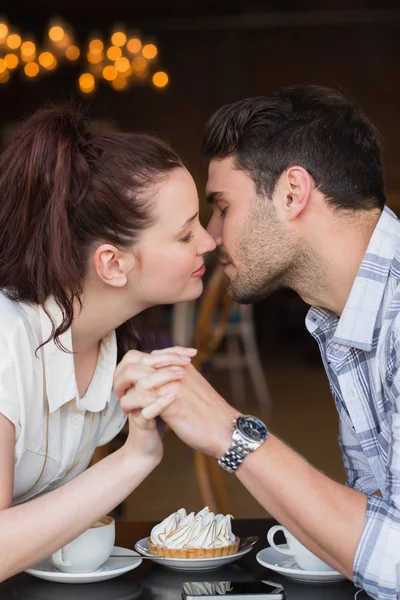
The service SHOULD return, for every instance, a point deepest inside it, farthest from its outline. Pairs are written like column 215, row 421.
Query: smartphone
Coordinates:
column 234, row 590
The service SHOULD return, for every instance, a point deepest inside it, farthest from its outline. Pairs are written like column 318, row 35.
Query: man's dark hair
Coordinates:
column 316, row 128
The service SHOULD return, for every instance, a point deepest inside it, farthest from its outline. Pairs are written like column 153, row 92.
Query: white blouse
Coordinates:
column 56, row 431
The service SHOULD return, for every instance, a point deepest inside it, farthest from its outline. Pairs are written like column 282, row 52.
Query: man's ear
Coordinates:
column 112, row 265
column 296, row 186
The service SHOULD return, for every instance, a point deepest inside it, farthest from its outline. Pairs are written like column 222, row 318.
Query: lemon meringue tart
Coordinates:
column 201, row 535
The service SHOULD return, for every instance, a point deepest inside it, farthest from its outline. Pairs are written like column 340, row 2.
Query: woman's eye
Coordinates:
column 223, row 212
column 188, row 238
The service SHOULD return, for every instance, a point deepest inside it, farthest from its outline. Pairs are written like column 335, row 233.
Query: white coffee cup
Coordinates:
column 304, row 558
column 89, row 551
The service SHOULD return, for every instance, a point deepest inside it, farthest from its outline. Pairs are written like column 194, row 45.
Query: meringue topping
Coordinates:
column 201, row 530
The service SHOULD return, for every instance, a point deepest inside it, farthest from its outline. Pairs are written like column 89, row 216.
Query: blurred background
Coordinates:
column 164, row 68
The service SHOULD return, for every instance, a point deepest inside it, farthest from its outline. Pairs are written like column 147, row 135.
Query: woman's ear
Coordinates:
column 112, row 265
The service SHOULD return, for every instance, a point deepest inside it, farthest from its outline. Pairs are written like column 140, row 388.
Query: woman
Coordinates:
column 94, row 228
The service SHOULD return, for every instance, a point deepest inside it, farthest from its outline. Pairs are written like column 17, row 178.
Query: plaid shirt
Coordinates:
column 361, row 355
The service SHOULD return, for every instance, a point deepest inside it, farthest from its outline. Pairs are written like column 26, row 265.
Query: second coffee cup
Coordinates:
column 304, row 558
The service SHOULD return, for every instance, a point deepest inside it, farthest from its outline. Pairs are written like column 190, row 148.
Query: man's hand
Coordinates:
column 198, row 415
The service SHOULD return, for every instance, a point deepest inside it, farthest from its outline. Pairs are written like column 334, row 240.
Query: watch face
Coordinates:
column 252, row 428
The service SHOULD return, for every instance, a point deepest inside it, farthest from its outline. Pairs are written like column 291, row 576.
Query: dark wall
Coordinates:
column 210, row 68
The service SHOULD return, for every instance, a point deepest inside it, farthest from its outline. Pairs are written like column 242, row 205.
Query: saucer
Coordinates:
column 281, row 563
column 113, row 567
column 189, row 564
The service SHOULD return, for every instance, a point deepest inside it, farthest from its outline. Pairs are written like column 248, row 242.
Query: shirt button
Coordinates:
column 76, row 419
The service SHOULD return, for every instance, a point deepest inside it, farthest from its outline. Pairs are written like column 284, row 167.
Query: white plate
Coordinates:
column 278, row 562
column 113, row 567
column 189, row 564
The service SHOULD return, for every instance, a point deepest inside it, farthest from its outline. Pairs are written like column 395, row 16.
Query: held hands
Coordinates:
column 151, row 385
column 144, row 437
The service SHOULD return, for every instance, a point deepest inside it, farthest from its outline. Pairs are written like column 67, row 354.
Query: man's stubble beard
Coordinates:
column 268, row 258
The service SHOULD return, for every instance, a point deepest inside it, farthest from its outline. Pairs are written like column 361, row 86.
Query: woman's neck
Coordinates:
column 102, row 311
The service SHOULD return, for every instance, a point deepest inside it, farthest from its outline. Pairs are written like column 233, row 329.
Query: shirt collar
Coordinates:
column 356, row 325
column 59, row 366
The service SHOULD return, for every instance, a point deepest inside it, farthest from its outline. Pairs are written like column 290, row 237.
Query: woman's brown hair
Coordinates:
column 63, row 190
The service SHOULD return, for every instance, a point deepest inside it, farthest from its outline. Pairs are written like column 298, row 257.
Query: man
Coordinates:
column 297, row 190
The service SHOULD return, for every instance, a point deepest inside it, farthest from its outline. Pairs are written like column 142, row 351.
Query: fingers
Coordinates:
column 135, row 400
column 178, row 350
column 126, row 376
column 156, row 408
column 136, row 365
column 159, row 378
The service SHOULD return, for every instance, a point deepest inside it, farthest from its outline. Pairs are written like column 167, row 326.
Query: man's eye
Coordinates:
column 222, row 212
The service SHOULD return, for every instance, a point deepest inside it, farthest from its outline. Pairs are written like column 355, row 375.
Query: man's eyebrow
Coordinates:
column 190, row 219
column 211, row 197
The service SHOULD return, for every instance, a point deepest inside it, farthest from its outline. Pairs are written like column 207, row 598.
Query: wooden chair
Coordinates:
column 212, row 320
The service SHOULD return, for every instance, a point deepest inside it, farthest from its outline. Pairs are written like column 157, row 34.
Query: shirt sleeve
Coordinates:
column 9, row 401
column 377, row 560
column 113, row 421
column 359, row 474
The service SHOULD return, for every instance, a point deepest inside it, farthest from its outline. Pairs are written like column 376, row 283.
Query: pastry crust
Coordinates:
column 193, row 552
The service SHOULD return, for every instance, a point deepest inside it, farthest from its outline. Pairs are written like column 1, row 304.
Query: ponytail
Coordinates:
column 61, row 191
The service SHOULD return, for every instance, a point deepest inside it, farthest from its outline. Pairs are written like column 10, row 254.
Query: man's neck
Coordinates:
column 340, row 246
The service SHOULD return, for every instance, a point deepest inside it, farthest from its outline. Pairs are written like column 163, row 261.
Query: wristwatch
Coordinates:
column 249, row 433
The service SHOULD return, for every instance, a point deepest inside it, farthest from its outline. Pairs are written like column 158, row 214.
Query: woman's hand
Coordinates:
column 136, row 365
column 139, row 371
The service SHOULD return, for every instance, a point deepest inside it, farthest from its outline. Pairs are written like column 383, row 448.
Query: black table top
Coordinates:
column 154, row 582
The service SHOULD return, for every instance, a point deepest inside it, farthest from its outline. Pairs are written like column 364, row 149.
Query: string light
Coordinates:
column 149, row 51
column 31, row 69
column 134, row 45
column 28, row 51
column 118, row 39
column 3, row 31
column 72, row 52
column 96, row 46
column 14, row 41
column 56, row 33
column 119, row 84
column 113, row 53
column 87, row 83
column 48, row 60
column 5, row 76
column 122, row 65
column 94, row 58
column 123, row 61
column 11, row 60
column 110, row 73
column 139, row 64
column 160, row 79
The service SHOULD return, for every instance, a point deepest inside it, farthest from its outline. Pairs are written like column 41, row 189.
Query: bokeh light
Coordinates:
column 87, row 83
column 72, row 52
column 14, row 41
column 48, row 60
column 113, row 53
column 11, row 60
column 110, row 73
column 122, row 65
column 56, row 33
column 160, row 79
column 96, row 45
column 3, row 31
column 149, row 51
column 118, row 39
column 31, row 69
column 134, row 45
column 5, row 76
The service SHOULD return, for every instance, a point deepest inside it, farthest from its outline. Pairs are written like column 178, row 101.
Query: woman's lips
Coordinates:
column 200, row 272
